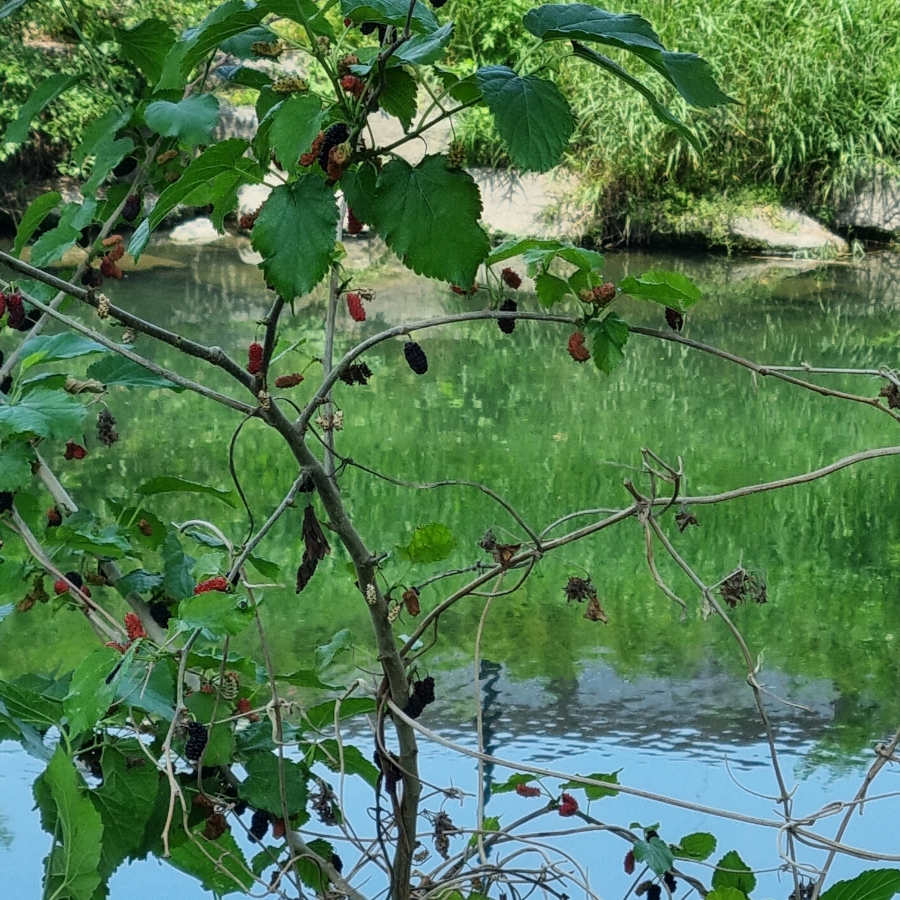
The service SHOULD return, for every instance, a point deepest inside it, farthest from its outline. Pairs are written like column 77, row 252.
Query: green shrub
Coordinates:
column 42, row 41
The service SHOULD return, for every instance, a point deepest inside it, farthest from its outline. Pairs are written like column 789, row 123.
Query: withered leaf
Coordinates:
column 594, row 611
column 684, row 519
column 313, row 536
column 488, row 543
column 411, row 599
column 316, row 547
column 503, row 554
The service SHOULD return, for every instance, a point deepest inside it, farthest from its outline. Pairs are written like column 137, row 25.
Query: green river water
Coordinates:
column 517, row 414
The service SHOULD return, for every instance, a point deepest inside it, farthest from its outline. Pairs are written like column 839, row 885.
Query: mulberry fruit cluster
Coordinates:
column 106, row 428
column 422, row 695
column 528, row 790
column 357, row 373
column 74, row 451
column 259, row 824
column 416, row 357
column 307, row 159
column 132, row 207
column 219, row 583
column 355, row 307
column 353, row 85
column 254, row 358
column 196, row 742
column 508, row 326
column 511, row 278
column 629, row 862
column 568, row 805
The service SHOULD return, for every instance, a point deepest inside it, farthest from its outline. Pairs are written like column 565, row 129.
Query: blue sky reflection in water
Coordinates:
column 664, row 702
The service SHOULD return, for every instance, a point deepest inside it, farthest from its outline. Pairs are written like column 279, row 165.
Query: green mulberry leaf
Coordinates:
column 417, row 207
column 531, row 114
column 295, row 233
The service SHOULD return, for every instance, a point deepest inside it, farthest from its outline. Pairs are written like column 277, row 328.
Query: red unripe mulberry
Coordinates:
column 74, row 451
column 568, row 805
column 212, row 584
column 134, row 627
column 354, row 226
column 254, row 358
column 629, row 862
column 60, row 587
column 511, row 278
column 527, row 790
column 354, row 305
column 288, row 381
column 577, row 350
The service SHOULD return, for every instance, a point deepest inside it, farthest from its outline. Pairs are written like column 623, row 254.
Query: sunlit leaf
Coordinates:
column 48, row 90
column 732, row 872
column 532, row 116
column 325, row 654
column 668, row 288
column 390, row 12
column 191, row 120
column 609, row 335
column 429, row 544
column 165, row 484
column 216, row 613
column 117, row 371
column 322, row 715
column 15, row 465
column 697, row 846
column 177, row 579
column 37, row 211
column 875, row 884
column 261, row 788
column 48, row 414
column 655, row 853
column 146, row 46
column 73, row 867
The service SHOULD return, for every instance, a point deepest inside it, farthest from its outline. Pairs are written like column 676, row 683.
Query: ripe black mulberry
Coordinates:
column 674, row 319
column 508, row 326
column 132, row 208
column 335, row 135
column 196, row 742
column 422, row 695
column 416, row 357
column 259, row 824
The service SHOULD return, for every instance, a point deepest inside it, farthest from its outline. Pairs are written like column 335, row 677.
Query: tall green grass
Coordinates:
column 818, row 85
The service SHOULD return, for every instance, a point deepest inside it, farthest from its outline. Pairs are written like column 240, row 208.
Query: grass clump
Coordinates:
column 818, row 90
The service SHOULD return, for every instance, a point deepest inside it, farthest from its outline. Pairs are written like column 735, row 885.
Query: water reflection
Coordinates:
column 647, row 691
